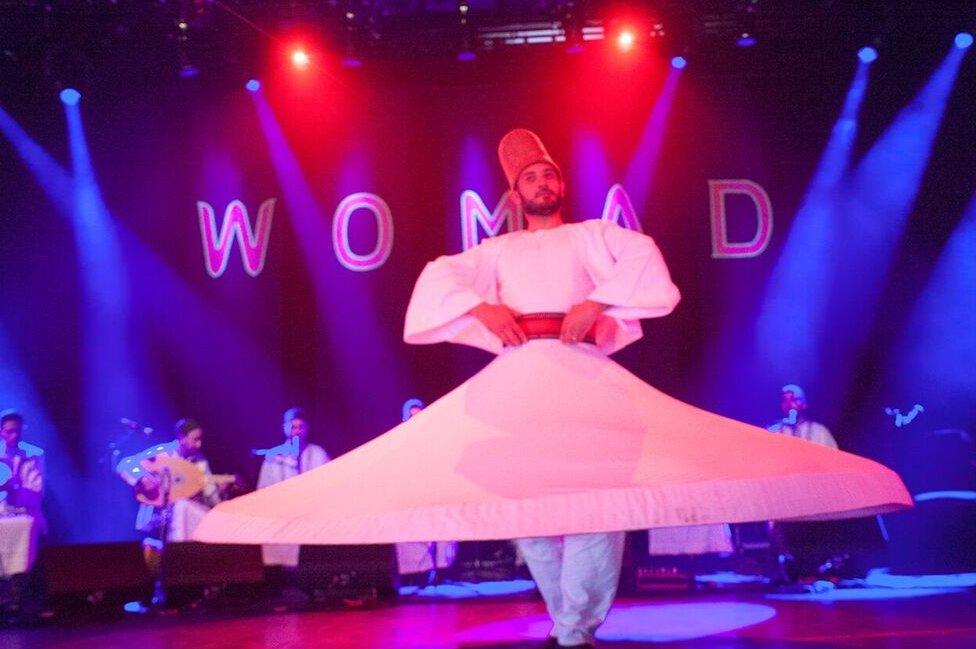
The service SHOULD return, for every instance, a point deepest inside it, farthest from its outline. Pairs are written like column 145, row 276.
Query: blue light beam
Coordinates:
column 639, row 178
column 795, row 310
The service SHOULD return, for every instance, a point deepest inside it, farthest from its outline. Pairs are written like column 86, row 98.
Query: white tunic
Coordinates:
column 811, row 431
column 544, row 271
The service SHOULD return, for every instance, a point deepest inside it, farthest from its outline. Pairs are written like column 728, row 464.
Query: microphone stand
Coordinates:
column 159, row 590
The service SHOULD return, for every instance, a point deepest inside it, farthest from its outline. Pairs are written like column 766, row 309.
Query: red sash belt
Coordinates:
column 548, row 325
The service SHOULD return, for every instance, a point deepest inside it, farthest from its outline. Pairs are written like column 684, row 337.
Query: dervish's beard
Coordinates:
column 539, row 206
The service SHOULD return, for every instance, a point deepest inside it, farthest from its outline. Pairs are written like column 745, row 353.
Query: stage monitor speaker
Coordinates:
column 940, row 460
column 348, row 570
column 840, row 536
column 209, row 564
column 937, row 537
column 94, row 567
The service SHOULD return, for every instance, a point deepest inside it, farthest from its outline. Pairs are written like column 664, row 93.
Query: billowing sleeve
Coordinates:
column 636, row 284
column 446, row 290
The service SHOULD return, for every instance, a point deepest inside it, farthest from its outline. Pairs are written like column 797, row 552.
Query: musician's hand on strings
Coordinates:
column 579, row 319
column 500, row 320
column 148, row 485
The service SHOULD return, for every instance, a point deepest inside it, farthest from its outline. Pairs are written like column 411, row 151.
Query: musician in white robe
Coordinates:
column 290, row 458
column 22, row 519
column 795, row 422
column 184, row 515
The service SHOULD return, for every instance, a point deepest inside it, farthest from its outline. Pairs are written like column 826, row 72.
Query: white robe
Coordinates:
column 551, row 438
column 281, row 463
column 811, row 431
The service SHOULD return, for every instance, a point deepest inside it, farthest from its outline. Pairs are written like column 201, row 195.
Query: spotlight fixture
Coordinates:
column 466, row 51
column 70, row 97
column 745, row 40
column 679, row 62
column 253, row 85
column 867, row 54
column 626, row 39
column 188, row 70
column 300, row 59
column 964, row 40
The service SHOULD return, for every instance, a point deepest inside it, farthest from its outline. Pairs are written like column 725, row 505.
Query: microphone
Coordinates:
column 135, row 425
column 290, row 447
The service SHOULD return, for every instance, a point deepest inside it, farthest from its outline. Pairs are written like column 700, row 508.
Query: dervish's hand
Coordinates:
column 500, row 321
column 579, row 319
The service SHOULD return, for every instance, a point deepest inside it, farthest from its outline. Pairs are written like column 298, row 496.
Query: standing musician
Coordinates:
column 295, row 455
column 415, row 557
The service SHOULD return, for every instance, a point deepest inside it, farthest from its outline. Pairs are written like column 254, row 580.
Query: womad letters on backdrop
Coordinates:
column 477, row 221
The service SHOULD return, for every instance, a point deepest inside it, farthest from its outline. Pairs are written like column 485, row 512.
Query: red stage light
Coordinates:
column 626, row 39
column 300, row 58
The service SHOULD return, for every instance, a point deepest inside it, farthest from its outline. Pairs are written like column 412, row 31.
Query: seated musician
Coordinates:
column 21, row 492
column 186, row 514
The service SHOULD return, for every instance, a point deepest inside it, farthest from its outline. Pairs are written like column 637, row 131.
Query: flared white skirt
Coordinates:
column 553, row 439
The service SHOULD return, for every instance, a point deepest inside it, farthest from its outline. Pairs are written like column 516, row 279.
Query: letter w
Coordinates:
column 253, row 243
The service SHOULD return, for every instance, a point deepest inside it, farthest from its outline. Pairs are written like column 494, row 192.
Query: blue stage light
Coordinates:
column 964, row 40
column 253, row 85
column 70, row 96
column 679, row 62
column 867, row 54
column 746, row 40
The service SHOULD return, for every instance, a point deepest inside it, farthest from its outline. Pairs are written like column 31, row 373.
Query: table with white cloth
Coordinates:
column 19, row 535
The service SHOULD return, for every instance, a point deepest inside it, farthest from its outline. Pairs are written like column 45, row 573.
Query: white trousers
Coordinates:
column 577, row 575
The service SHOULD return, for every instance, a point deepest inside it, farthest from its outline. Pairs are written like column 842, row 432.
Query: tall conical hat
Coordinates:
column 520, row 148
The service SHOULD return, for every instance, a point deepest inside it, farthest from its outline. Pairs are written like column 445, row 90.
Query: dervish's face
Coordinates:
column 11, row 431
column 540, row 189
column 191, row 443
column 296, row 428
column 790, row 401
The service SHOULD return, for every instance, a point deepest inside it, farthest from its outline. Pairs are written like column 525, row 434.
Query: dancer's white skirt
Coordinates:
column 555, row 439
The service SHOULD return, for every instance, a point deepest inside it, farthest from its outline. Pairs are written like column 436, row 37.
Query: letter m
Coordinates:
column 236, row 225
column 474, row 212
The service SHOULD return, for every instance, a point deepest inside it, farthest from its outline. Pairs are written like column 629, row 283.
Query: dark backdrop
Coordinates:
column 108, row 311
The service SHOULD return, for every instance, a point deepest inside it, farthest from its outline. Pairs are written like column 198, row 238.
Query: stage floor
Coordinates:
column 870, row 618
